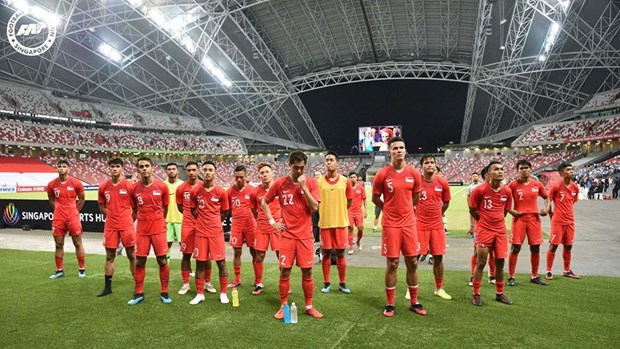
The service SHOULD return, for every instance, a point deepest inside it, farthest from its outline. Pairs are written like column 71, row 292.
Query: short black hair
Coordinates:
column 190, row 163
column 352, row 173
column 438, row 169
column 475, row 173
column 209, row 162
column 394, row 140
column 524, row 162
column 144, row 158
column 297, row 155
column 63, row 161
column 426, row 156
column 263, row 164
column 331, row 152
column 115, row 161
column 484, row 171
column 491, row 163
column 171, row 164
column 240, row 168
column 563, row 165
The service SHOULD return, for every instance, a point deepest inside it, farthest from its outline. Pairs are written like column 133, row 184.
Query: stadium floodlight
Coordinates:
column 216, row 72
column 135, row 3
column 565, row 5
column 176, row 25
column 20, row 5
column 156, row 16
column 50, row 18
column 110, row 52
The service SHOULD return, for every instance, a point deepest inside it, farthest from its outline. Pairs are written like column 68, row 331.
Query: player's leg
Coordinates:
column 535, row 263
column 482, row 253
column 110, row 255
column 160, row 248
column 80, row 254
column 258, row 269
column 512, row 263
column 376, row 221
column 169, row 237
column 555, row 239
column 360, row 234
column 217, row 252
column 131, row 257
column 59, row 253
column 327, row 244
column 200, row 281
column 411, row 262
column 250, row 239
column 307, row 284
column 550, row 259
column 437, row 247
column 567, row 243
column 350, row 236
column 520, row 228
column 187, row 248
column 284, row 283
column 186, row 262
column 236, row 242
column 500, row 248
column 340, row 236
column 142, row 251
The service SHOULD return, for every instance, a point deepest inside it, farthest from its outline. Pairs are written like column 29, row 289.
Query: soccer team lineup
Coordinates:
column 288, row 215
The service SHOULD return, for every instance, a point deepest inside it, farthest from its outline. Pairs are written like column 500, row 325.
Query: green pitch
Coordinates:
column 65, row 313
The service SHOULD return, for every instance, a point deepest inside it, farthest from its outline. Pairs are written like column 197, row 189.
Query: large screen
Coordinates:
column 375, row 138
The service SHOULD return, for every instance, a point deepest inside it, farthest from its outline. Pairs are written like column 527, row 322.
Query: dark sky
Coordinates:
column 431, row 112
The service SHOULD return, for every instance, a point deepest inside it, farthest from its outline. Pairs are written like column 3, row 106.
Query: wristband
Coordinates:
column 272, row 221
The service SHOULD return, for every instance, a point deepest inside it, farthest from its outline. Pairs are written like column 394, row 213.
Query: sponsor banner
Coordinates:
column 91, row 187
column 592, row 138
column 456, row 183
column 8, row 190
column 31, row 189
column 38, row 215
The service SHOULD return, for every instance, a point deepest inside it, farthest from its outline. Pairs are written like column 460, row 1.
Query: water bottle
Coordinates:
column 235, row 297
column 293, row 313
column 287, row 314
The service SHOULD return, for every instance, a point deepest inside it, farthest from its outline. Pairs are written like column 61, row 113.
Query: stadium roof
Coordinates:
column 241, row 65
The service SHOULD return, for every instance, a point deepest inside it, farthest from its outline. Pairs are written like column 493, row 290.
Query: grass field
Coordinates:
column 64, row 313
column 457, row 214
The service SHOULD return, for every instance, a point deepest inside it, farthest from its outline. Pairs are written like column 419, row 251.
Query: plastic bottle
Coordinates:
column 293, row 313
column 287, row 314
column 235, row 297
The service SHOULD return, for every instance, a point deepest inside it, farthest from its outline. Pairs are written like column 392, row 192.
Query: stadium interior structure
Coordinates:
column 183, row 79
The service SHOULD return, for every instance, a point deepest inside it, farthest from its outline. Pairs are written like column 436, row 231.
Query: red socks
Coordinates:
column 258, row 272
column 477, row 284
column 223, row 283
column 307, row 283
column 413, row 292
column 389, row 294
column 81, row 262
column 491, row 262
column 200, row 286
column 59, row 261
column 550, row 258
column 499, row 287
column 139, row 276
column 326, row 264
column 341, row 264
column 284, row 285
column 566, row 256
column 512, row 264
column 164, row 277
column 439, row 283
column 237, row 269
column 208, row 275
column 474, row 260
column 185, row 276
column 535, row 262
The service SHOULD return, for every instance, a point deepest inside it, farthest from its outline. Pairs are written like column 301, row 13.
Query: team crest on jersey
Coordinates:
column 535, row 190
column 504, row 198
column 358, row 191
column 156, row 193
column 438, row 188
column 247, row 197
column 215, row 199
column 573, row 193
column 70, row 188
column 409, row 179
column 122, row 191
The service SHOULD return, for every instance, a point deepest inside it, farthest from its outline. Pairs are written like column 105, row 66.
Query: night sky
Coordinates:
column 431, row 112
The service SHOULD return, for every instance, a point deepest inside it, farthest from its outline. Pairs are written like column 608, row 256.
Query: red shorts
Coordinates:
column 400, row 239
column 435, row 239
column 496, row 241
column 562, row 234
column 240, row 234
column 188, row 237
column 158, row 241
column 262, row 241
column 111, row 238
column 71, row 226
column 530, row 227
column 301, row 251
column 356, row 219
column 210, row 248
column 334, row 238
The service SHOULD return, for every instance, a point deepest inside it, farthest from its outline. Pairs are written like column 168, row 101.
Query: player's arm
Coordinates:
column 547, row 210
column 349, row 194
column 312, row 202
column 376, row 199
column 364, row 207
column 264, row 204
column 103, row 209
column 473, row 211
column 473, row 203
column 52, row 200
column 444, row 207
column 164, row 208
column 81, row 200
column 472, row 220
column 509, row 208
column 178, row 196
column 415, row 199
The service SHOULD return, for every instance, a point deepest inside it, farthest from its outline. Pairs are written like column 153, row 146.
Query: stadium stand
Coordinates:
column 27, row 100
column 117, row 115
column 24, row 171
column 79, row 169
column 573, row 131
column 603, row 99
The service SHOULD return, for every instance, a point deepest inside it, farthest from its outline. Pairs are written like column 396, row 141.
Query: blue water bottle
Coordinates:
column 287, row 314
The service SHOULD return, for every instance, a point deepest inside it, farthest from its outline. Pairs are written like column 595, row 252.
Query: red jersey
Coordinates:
column 358, row 195
column 397, row 188
column 432, row 196
column 150, row 201
column 492, row 206
column 209, row 204
column 183, row 198
column 296, row 213
column 263, row 224
column 240, row 203
column 563, row 198
column 117, row 200
column 525, row 196
column 65, row 196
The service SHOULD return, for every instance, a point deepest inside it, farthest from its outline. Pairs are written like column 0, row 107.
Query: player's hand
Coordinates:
column 365, row 214
column 515, row 214
column 470, row 231
column 544, row 212
column 278, row 226
column 302, row 181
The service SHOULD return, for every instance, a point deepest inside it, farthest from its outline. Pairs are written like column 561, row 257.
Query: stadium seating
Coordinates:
column 24, row 171
column 79, row 169
column 589, row 129
column 602, row 99
column 27, row 100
